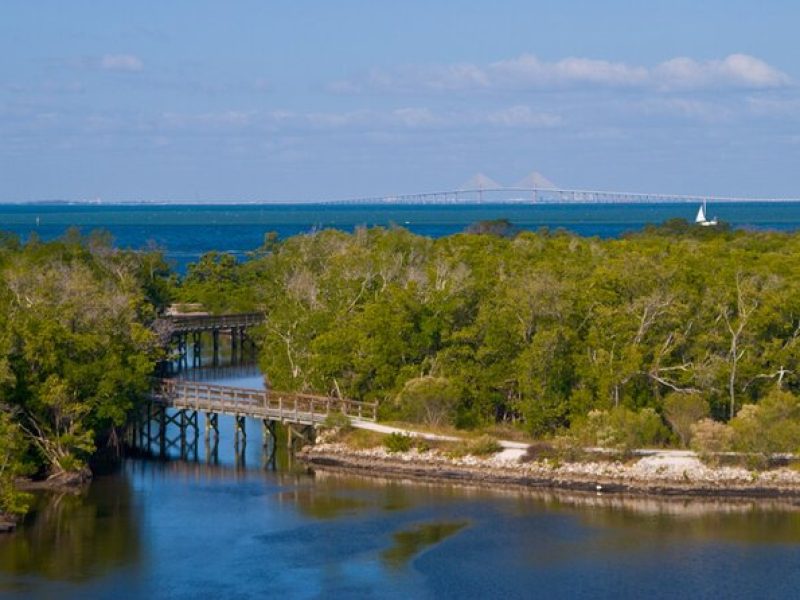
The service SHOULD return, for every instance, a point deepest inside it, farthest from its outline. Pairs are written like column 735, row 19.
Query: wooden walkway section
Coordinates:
column 283, row 407
column 195, row 323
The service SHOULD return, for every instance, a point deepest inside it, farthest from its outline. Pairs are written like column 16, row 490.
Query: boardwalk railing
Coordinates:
column 288, row 407
column 189, row 323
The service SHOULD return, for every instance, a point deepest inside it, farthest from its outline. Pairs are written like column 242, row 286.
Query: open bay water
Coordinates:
column 187, row 231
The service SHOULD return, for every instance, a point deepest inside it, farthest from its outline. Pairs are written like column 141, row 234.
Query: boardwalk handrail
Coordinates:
column 283, row 406
column 207, row 322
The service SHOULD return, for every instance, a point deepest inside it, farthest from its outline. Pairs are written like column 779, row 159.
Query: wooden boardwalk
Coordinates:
column 185, row 335
column 282, row 407
column 196, row 323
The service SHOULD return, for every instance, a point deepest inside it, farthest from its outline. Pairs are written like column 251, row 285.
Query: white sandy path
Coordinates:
column 512, row 451
column 652, row 460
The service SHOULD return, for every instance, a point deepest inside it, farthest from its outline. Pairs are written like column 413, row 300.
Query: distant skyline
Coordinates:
column 303, row 101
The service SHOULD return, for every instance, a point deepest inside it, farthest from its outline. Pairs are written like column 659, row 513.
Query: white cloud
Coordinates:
column 121, row 62
column 734, row 71
column 530, row 72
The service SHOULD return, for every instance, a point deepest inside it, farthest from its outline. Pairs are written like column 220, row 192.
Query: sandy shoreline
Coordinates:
column 662, row 475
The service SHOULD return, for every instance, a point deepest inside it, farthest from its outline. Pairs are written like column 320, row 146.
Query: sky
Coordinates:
column 314, row 100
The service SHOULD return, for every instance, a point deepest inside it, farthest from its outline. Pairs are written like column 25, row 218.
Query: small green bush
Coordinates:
column 337, row 421
column 769, row 427
column 682, row 411
column 482, row 446
column 428, row 400
column 398, row 442
column 709, row 438
column 620, row 429
column 568, row 448
column 422, row 445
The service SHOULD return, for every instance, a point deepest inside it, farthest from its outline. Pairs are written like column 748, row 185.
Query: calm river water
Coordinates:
column 248, row 529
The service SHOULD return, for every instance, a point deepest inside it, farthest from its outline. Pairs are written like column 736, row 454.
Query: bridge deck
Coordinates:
column 302, row 409
column 190, row 323
column 543, row 195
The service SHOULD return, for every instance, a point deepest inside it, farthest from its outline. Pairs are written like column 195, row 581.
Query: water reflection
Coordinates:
column 321, row 505
column 410, row 542
column 649, row 507
column 76, row 536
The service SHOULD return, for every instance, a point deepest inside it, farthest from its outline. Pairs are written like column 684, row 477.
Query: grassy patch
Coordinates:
column 362, row 439
column 482, row 446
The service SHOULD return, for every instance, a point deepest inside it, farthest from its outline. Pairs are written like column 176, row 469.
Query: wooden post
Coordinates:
column 239, row 428
column 211, row 425
column 234, row 359
column 149, row 408
column 182, row 429
column 197, row 348
column 131, row 437
column 267, row 431
column 309, row 434
column 162, row 430
column 215, row 336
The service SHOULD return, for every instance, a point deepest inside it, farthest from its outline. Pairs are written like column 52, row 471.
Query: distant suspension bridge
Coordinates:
column 523, row 195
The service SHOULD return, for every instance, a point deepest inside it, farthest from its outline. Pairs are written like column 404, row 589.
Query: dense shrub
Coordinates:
column 485, row 445
column 428, row 400
column 682, row 411
column 12, row 449
column 398, row 442
column 621, row 429
column 772, row 426
column 709, row 438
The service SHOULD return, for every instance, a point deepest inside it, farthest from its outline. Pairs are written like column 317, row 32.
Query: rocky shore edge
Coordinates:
column 66, row 481
column 667, row 474
column 71, row 482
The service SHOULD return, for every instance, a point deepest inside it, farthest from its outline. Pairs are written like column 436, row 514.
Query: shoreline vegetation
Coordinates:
column 675, row 336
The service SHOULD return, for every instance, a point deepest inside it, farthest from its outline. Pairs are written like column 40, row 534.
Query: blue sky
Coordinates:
column 302, row 100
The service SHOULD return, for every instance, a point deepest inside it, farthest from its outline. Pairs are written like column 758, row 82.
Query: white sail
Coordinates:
column 701, row 215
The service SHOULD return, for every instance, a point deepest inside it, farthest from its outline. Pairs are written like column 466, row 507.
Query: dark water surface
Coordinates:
column 242, row 529
column 186, row 231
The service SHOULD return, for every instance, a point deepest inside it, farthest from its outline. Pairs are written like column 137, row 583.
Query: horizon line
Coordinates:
column 470, row 196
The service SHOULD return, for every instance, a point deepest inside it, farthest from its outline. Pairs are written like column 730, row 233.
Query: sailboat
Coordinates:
column 701, row 217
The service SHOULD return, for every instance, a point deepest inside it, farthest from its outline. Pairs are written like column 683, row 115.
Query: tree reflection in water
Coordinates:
column 410, row 542
column 76, row 536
